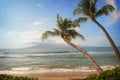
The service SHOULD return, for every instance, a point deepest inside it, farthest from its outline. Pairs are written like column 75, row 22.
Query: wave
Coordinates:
column 56, row 54
column 100, row 52
column 12, row 56
column 7, row 53
column 65, row 55
column 8, row 57
column 64, row 52
column 27, row 70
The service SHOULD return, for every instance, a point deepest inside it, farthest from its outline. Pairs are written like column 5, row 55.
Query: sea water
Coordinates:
column 69, row 58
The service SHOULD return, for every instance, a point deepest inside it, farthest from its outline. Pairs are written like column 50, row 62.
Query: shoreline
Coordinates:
column 79, row 73
column 26, row 70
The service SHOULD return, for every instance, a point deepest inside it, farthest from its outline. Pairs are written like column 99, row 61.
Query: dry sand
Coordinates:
column 60, row 76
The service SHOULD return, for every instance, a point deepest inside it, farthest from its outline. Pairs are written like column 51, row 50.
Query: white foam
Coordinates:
column 24, row 70
column 108, row 67
column 42, row 70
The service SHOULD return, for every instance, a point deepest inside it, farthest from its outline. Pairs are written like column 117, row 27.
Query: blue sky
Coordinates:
column 23, row 21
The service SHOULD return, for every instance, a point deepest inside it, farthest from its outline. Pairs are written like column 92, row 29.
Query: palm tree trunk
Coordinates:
column 110, row 40
column 86, row 55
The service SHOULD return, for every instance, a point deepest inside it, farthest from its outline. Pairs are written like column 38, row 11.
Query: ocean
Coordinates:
column 55, row 58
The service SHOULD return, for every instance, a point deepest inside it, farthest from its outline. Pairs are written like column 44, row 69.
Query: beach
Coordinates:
column 51, row 74
column 60, row 76
column 54, row 73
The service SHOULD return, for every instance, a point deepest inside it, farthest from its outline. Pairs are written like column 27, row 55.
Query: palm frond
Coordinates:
column 95, row 2
column 59, row 18
column 84, row 7
column 81, row 8
column 63, row 24
column 76, row 22
column 105, row 10
column 67, row 23
column 74, row 34
column 93, row 7
column 57, row 32
column 47, row 34
column 77, row 11
column 60, row 21
column 69, row 38
column 86, row 4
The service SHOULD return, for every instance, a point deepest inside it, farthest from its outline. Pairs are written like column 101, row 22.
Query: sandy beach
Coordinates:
column 61, row 76
column 51, row 74
column 54, row 73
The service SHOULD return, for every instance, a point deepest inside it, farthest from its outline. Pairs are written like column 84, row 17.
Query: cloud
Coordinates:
column 94, row 41
column 58, row 40
column 36, row 23
column 31, row 37
column 39, row 5
column 115, row 15
column 15, row 39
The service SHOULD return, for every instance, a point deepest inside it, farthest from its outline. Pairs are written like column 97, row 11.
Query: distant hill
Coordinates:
column 59, row 46
column 50, row 46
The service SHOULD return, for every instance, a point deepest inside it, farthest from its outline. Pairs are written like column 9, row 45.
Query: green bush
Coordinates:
column 10, row 77
column 113, row 74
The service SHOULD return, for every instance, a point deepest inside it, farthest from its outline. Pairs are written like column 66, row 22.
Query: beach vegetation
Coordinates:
column 11, row 77
column 88, row 8
column 113, row 74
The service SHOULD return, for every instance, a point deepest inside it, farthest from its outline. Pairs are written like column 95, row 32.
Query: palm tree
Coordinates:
column 67, row 32
column 88, row 9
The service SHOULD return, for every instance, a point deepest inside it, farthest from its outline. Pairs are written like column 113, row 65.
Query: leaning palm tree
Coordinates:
column 88, row 8
column 67, row 32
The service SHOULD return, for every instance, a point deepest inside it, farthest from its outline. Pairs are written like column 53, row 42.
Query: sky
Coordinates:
column 23, row 21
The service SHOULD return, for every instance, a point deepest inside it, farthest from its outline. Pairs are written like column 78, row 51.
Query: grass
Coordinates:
column 11, row 77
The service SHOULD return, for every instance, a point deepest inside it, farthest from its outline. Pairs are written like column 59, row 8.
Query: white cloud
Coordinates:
column 95, row 41
column 15, row 39
column 27, row 38
column 58, row 40
column 115, row 15
column 36, row 23
column 39, row 5
column 112, row 2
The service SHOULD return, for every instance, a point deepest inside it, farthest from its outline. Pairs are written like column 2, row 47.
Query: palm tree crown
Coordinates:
column 88, row 8
column 65, row 29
